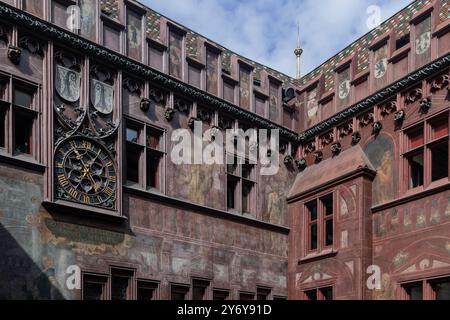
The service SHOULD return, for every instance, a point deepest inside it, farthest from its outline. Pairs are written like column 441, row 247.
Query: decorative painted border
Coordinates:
column 41, row 27
column 74, row 41
column 381, row 95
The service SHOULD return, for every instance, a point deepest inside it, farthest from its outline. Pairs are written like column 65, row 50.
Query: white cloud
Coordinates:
column 265, row 30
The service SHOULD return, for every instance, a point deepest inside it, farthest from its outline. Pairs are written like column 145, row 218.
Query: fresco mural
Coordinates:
column 175, row 54
column 134, row 35
column 212, row 65
column 312, row 108
column 379, row 66
column 244, row 88
column 380, row 152
column 423, row 42
column 343, row 89
column 88, row 19
column 274, row 93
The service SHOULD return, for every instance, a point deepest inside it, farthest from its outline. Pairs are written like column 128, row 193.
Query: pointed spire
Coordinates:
column 298, row 52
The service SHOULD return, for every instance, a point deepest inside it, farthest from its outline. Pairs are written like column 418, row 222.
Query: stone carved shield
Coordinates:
column 67, row 83
column 102, row 96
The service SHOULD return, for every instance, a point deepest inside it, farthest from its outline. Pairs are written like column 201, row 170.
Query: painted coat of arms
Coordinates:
column 67, row 83
column 423, row 42
column 102, row 96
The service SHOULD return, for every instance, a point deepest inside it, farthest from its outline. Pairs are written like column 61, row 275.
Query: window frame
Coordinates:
column 145, row 151
column 320, row 222
column 318, row 291
column 241, row 181
column 10, row 110
column 427, row 284
column 426, row 148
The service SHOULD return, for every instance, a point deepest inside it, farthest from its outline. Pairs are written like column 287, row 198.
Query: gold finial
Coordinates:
column 298, row 51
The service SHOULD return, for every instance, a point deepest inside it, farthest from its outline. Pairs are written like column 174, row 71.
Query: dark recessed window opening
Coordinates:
column 327, row 293
column 132, row 162
column 441, row 289
column 246, row 296
column 23, row 129
column 146, row 290
column 199, row 288
column 178, row 293
column 414, row 291
column 416, row 166
column 120, row 286
column 132, row 135
column 311, row 295
column 312, row 216
column 439, row 161
column 153, row 161
column 262, row 294
column 93, row 288
column 220, row 295
column 401, row 42
column 231, row 193
column 246, row 196
column 2, row 128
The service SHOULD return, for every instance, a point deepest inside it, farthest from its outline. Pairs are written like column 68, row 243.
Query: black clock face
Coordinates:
column 85, row 173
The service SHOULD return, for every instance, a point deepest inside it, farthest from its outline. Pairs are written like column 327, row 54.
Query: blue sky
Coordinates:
column 265, row 30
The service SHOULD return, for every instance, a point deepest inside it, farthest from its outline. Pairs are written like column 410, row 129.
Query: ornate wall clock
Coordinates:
column 85, row 172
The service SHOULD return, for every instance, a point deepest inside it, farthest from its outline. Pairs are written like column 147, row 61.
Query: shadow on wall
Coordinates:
column 20, row 277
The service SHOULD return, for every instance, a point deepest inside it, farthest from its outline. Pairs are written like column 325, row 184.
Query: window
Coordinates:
column 199, row 289
column 121, row 284
column 320, row 216
column 94, row 287
column 401, row 42
column 60, row 14
column 144, row 143
column 178, row 293
column 414, row 291
column 325, row 293
column 441, row 289
column 262, row 293
column 146, row 290
column 240, row 185
column 220, row 294
column 426, row 152
column 428, row 289
column 246, row 296
column 2, row 128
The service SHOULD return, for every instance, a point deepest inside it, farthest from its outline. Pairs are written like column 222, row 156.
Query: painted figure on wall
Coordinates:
column 244, row 83
column 88, row 19
column 134, row 35
column 274, row 114
column 211, row 72
column 381, row 153
column 312, row 108
column 175, row 54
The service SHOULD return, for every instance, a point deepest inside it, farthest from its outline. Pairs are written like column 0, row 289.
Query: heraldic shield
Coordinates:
column 102, row 96
column 67, row 83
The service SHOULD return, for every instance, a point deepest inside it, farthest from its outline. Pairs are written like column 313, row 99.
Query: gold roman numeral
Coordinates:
column 113, row 179
column 63, row 180
column 73, row 193
column 109, row 191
